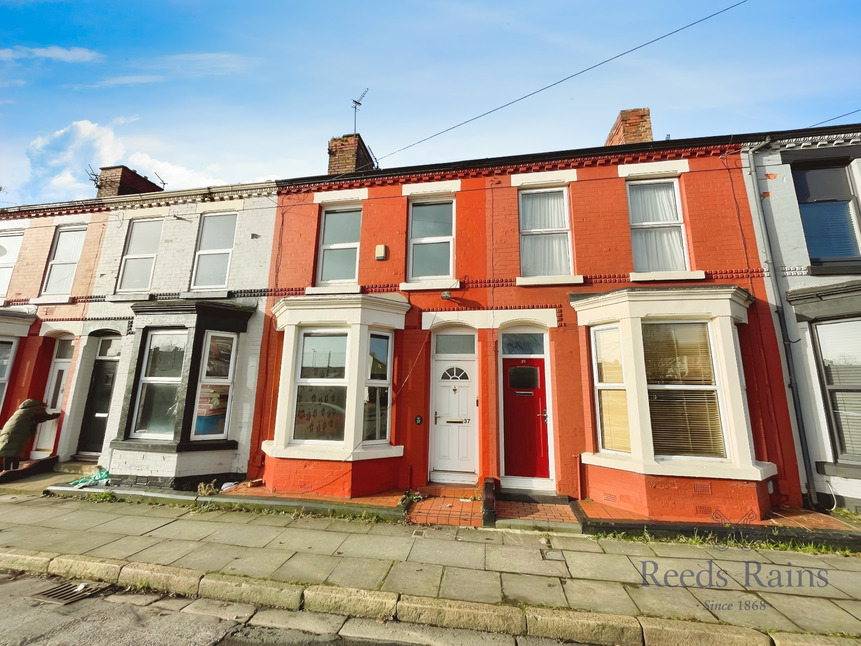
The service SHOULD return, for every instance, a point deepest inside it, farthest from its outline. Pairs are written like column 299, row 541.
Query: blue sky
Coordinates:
column 215, row 92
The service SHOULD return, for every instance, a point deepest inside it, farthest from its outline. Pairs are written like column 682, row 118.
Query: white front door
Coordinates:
column 46, row 435
column 453, row 434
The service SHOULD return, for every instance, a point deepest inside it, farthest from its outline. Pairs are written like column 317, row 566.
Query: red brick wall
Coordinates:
column 720, row 241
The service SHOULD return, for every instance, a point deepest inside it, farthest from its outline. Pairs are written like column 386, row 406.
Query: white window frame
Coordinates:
column 143, row 379
column 6, row 264
column 716, row 387
column 320, row 382
column 722, row 307
column 203, row 380
column 53, row 263
column 599, row 386
column 360, row 315
column 413, row 242
column 4, row 378
column 539, row 232
column 338, row 245
column 826, row 390
column 208, row 252
column 127, row 256
column 678, row 224
column 380, row 383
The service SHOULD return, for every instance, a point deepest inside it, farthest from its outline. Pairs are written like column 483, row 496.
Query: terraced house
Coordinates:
column 138, row 315
column 804, row 189
column 600, row 325
column 591, row 324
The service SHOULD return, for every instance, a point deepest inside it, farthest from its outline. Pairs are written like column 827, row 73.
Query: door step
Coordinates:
column 447, row 505
column 78, row 467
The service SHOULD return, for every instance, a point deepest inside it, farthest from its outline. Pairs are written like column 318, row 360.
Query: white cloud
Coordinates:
column 132, row 79
column 58, row 165
column 177, row 177
column 202, row 64
column 13, row 83
column 65, row 55
column 59, row 161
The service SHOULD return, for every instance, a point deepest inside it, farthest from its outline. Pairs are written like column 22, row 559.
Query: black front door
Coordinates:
column 98, row 404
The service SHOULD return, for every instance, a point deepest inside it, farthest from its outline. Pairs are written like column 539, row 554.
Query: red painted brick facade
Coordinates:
column 720, row 241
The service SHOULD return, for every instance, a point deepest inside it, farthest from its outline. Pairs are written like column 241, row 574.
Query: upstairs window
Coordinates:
column 339, row 246
column 545, row 239
column 431, row 240
column 139, row 257
column 10, row 245
column 214, row 249
column 829, row 213
column 657, row 229
column 64, row 260
column 7, row 355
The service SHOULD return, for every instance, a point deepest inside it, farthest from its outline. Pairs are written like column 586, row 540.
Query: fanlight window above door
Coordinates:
column 455, row 374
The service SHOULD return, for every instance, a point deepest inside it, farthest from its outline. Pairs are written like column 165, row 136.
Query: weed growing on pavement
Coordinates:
column 102, row 496
column 784, row 545
column 848, row 516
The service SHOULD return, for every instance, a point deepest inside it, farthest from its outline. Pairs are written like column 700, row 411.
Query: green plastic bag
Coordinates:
column 98, row 478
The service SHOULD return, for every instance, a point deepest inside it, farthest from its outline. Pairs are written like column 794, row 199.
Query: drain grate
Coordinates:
column 418, row 532
column 69, row 592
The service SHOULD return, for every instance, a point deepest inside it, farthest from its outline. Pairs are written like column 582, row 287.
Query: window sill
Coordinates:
column 839, row 470
column 128, row 297
column 649, row 276
column 51, row 300
column 340, row 452
column 171, row 446
column 694, row 468
column 430, row 284
column 526, row 281
column 334, row 289
column 211, row 293
column 835, row 267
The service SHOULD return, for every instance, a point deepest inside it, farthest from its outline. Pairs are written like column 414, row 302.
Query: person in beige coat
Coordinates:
column 18, row 430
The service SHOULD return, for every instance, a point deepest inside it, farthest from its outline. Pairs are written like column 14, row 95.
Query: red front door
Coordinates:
column 524, row 406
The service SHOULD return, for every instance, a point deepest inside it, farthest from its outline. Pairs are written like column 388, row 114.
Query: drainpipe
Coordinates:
column 802, row 434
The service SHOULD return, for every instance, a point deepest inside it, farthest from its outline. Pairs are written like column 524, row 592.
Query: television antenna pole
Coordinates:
column 356, row 104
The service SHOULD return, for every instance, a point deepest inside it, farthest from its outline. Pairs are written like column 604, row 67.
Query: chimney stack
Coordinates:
column 122, row 180
column 631, row 127
column 349, row 154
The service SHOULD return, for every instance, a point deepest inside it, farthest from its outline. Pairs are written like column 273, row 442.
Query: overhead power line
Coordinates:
column 567, row 78
column 840, row 116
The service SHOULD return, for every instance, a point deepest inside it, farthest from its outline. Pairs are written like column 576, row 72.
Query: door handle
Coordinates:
column 435, row 417
column 543, row 414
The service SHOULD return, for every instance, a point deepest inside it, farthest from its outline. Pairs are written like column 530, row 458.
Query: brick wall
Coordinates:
column 631, row 127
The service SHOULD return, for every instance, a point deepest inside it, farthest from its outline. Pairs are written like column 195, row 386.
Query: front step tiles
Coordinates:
column 442, row 505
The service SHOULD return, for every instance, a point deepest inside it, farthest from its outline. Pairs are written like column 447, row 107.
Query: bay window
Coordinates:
column 336, row 376
column 669, row 388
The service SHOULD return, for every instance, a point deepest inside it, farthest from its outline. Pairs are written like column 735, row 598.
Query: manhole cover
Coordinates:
column 69, row 592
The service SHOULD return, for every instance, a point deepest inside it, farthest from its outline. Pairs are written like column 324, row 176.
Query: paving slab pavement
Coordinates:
column 485, row 568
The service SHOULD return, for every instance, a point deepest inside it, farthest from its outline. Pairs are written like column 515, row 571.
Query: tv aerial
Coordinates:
column 356, row 104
